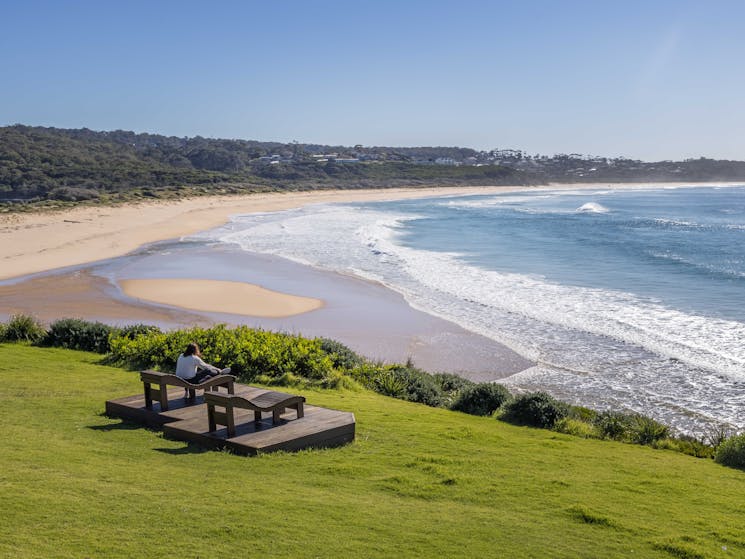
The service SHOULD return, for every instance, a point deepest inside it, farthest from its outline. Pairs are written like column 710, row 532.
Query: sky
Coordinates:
column 650, row 80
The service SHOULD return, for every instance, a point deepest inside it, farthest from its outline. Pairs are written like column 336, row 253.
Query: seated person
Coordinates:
column 193, row 369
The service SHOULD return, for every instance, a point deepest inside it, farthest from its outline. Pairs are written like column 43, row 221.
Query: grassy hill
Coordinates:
column 417, row 482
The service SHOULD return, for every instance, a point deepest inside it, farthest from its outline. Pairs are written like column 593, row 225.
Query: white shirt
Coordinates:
column 187, row 365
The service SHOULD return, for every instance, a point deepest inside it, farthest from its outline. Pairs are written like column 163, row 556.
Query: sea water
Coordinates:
column 628, row 299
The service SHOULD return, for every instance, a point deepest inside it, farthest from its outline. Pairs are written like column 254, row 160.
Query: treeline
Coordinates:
column 38, row 164
column 576, row 168
column 52, row 166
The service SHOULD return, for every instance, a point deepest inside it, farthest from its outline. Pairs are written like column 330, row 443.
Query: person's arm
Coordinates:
column 202, row 365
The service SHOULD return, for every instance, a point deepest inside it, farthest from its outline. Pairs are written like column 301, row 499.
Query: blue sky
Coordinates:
column 643, row 79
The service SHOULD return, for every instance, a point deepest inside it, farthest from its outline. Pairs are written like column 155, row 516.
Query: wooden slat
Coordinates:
column 187, row 420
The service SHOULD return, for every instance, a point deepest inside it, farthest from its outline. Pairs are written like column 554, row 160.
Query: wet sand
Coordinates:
column 368, row 317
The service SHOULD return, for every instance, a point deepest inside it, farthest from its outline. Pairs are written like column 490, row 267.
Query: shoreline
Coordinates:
column 40, row 242
column 72, row 247
column 366, row 316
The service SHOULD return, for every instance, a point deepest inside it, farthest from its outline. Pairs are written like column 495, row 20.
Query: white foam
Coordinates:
column 608, row 346
column 592, row 207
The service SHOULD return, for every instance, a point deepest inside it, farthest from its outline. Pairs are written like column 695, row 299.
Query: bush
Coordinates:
column 717, row 434
column 250, row 353
column 686, row 445
column 420, row 385
column 341, row 356
column 133, row 330
column 23, row 328
column 732, row 452
column 537, row 409
column 583, row 414
column 72, row 194
column 389, row 383
column 576, row 427
column 450, row 386
column 452, row 383
column 74, row 333
column 614, row 425
column 400, row 381
column 645, row 430
column 481, row 399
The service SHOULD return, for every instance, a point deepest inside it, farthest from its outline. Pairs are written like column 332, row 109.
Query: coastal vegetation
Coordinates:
column 279, row 359
column 50, row 167
column 418, row 481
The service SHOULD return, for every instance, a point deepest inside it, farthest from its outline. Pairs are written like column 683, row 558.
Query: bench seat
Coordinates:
column 156, row 386
column 275, row 402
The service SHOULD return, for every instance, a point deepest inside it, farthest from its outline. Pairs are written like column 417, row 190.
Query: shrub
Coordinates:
column 537, row 409
column 389, row 383
column 73, row 333
column 133, row 330
column 732, row 452
column 341, row 356
column 645, row 430
column 451, row 383
column 420, row 385
column 450, row 386
column 248, row 352
column 717, row 434
column 687, row 445
column 400, row 381
column 72, row 194
column 481, row 399
column 340, row 381
column 582, row 414
column 614, row 425
column 24, row 328
column 576, row 427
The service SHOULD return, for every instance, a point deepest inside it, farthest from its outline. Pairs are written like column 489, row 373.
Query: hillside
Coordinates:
column 74, row 165
column 48, row 164
column 417, row 482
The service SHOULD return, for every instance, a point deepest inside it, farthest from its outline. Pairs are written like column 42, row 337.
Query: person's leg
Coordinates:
column 201, row 376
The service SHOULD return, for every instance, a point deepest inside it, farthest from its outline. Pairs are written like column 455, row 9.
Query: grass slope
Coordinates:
column 417, row 482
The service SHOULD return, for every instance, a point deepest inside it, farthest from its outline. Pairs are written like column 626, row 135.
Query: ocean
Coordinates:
column 626, row 299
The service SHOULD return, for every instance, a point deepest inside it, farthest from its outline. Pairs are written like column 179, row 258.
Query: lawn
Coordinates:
column 417, row 482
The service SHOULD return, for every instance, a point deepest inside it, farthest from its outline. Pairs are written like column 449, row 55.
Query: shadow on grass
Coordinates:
column 188, row 449
column 121, row 426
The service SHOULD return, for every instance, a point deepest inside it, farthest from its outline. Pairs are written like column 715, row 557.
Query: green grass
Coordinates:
column 417, row 482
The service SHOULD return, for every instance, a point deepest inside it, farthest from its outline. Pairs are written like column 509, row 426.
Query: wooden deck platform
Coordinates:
column 187, row 421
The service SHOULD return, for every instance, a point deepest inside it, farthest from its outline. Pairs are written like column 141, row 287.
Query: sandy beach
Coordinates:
column 38, row 242
column 47, row 260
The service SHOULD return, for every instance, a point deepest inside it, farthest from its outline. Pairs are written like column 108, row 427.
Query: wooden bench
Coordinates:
column 275, row 402
column 156, row 386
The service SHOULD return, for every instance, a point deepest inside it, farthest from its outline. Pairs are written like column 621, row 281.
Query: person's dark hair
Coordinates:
column 192, row 349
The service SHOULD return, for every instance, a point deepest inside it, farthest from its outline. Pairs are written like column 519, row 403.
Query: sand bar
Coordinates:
column 80, row 294
column 219, row 296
